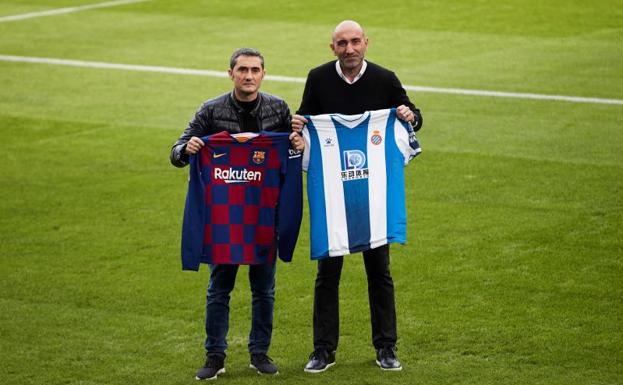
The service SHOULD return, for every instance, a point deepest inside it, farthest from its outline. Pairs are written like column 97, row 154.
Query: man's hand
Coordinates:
column 297, row 141
column 404, row 113
column 194, row 145
column 298, row 121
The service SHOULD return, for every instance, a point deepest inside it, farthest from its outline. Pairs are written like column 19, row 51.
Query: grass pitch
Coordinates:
column 512, row 273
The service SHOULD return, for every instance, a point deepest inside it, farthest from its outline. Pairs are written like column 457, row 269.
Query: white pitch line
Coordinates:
column 290, row 79
column 502, row 94
column 60, row 11
column 113, row 66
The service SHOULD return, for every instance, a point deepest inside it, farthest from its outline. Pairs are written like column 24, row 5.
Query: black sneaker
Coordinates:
column 215, row 364
column 386, row 359
column 319, row 361
column 263, row 364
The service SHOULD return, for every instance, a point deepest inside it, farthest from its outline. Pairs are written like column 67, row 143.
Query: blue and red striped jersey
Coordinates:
column 244, row 201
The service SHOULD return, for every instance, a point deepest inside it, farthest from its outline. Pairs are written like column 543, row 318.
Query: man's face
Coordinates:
column 349, row 45
column 247, row 76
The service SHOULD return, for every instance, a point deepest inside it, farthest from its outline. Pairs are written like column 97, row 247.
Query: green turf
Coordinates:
column 512, row 273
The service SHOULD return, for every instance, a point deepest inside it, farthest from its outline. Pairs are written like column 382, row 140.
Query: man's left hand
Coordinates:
column 404, row 113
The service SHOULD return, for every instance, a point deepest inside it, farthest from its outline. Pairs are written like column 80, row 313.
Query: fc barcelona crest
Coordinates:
column 259, row 157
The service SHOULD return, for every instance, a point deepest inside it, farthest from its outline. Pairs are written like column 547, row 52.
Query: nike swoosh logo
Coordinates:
column 219, row 155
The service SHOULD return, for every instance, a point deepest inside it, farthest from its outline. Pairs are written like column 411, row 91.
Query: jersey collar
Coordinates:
column 350, row 121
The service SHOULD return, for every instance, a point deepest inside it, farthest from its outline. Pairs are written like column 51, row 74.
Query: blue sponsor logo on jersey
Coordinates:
column 354, row 159
column 354, row 164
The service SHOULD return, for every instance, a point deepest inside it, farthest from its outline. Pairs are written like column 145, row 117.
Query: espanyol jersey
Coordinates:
column 244, row 200
column 355, row 180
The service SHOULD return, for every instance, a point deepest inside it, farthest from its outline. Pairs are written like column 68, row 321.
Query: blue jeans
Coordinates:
column 222, row 280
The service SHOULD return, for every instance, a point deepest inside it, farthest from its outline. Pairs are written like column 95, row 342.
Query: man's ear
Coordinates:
column 230, row 73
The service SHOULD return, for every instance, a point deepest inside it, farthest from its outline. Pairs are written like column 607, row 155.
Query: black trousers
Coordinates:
column 380, row 296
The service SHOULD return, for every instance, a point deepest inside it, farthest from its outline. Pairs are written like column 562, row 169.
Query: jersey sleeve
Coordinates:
column 308, row 146
column 405, row 139
column 290, row 207
column 193, row 222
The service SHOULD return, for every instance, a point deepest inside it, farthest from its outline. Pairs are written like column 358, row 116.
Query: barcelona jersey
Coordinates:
column 244, row 201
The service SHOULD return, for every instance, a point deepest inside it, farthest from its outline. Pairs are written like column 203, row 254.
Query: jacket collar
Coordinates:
column 239, row 109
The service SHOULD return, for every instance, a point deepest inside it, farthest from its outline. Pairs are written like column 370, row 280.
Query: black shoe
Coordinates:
column 386, row 359
column 263, row 364
column 319, row 361
column 215, row 364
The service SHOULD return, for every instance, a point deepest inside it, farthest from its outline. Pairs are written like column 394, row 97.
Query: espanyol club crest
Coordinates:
column 376, row 138
column 259, row 157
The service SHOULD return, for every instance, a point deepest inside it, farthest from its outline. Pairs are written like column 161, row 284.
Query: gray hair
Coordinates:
column 245, row 52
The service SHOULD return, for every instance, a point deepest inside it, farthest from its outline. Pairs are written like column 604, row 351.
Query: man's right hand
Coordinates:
column 194, row 145
column 298, row 121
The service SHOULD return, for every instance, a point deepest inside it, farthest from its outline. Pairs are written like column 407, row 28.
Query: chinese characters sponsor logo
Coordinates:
column 354, row 164
column 349, row 175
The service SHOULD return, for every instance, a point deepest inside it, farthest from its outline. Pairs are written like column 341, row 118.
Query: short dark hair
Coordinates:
column 245, row 52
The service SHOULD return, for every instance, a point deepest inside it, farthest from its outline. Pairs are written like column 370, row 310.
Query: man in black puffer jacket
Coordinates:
column 245, row 109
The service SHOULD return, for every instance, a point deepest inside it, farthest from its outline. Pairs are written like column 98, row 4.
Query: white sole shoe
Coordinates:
column 220, row 371
column 319, row 370
column 389, row 369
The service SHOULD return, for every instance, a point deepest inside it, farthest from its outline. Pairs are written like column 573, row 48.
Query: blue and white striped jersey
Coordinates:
column 355, row 180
